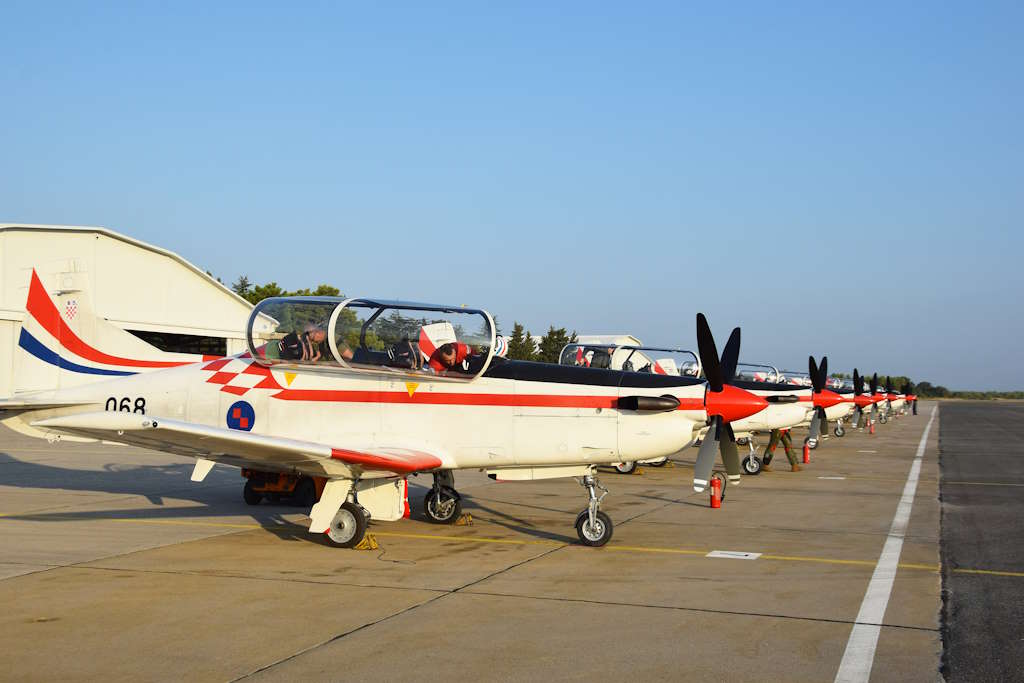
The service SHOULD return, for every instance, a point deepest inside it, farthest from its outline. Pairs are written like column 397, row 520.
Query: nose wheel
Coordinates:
column 593, row 527
column 752, row 465
column 625, row 467
column 839, row 431
column 442, row 504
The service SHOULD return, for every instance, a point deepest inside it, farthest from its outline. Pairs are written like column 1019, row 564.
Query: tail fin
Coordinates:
column 60, row 341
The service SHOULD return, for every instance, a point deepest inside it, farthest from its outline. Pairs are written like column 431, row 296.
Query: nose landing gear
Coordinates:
column 442, row 504
column 593, row 526
column 751, row 463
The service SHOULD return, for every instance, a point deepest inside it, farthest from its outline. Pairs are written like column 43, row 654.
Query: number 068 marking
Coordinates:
column 125, row 405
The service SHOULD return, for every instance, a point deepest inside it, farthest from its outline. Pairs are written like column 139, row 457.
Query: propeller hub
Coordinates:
column 827, row 399
column 863, row 400
column 733, row 403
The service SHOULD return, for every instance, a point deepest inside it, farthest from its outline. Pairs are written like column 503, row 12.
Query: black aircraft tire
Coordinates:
column 595, row 538
column 251, row 496
column 752, row 465
column 348, row 526
column 448, row 513
column 304, row 494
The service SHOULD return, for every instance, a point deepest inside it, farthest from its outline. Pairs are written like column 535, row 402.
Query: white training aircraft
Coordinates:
column 361, row 393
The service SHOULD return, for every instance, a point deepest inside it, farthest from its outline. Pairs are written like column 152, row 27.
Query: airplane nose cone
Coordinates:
column 863, row 400
column 827, row 399
column 733, row 403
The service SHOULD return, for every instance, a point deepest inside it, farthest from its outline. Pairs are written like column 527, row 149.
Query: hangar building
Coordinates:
column 154, row 294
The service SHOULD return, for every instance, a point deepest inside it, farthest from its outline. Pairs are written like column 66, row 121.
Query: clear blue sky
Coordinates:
column 840, row 180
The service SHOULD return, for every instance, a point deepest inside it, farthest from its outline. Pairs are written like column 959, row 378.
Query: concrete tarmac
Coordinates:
column 114, row 565
column 982, row 457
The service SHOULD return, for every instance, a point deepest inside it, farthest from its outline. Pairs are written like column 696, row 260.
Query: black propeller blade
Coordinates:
column 731, row 356
column 858, row 389
column 708, row 354
column 720, row 436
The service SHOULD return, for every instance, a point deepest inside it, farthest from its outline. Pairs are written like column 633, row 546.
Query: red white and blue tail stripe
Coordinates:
column 46, row 336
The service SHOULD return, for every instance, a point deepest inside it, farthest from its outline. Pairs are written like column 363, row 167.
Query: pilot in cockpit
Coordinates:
column 306, row 347
column 442, row 350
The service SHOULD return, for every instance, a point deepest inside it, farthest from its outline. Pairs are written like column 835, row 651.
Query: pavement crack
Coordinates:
column 447, row 593
column 700, row 610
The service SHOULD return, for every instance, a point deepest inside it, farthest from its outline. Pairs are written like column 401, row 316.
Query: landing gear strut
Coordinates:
column 593, row 526
column 751, row 463
column 443, row 504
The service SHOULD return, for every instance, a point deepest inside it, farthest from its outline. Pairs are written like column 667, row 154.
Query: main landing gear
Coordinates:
column 348, row 526
column 593, row 526
column 443, row 504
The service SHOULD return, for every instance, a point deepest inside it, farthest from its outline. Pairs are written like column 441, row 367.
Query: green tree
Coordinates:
column 551, row 344
column 242, row 286
column 261, row 292
column 520, row 346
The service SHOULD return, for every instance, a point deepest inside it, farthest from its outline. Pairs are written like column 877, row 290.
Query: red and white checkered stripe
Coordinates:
column 238, row 376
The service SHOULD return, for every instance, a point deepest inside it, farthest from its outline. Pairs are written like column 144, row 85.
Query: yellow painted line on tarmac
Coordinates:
column 183, row 522
column 693, row 552
column 467, row 539
column 989, row 572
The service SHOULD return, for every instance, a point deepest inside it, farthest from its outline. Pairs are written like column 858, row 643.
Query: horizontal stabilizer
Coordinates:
column 22, row 405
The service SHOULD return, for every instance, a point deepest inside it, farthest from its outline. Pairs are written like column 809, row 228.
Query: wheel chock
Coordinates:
column 465, row 519
column 369, row 542
column 638, row 470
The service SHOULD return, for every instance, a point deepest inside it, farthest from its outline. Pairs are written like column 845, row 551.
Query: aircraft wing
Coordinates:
column 243, row 449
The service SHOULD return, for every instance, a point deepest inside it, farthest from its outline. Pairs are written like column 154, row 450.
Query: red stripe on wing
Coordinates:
column 415, row 461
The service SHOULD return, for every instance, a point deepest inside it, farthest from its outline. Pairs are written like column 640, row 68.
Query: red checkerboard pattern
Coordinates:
column 243, row 422
column 238, row 376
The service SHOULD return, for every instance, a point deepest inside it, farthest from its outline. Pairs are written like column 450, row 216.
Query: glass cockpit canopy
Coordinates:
column 393, row 337
column 659, row 361
column 758, row 372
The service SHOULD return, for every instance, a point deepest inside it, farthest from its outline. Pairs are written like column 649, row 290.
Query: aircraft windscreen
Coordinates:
column 291, row 330
column 631, row 359
column 449, row 342
column 393, row 337
column 758, row 372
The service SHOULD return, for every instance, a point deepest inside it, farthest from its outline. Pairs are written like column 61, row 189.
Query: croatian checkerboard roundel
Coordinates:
column 241, row 416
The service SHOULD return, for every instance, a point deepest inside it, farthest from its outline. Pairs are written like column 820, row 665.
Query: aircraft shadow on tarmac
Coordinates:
column 219, row 495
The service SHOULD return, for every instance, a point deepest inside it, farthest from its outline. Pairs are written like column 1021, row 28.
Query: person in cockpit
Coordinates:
column 307, row 346
column 451, row 356
column 442, row 350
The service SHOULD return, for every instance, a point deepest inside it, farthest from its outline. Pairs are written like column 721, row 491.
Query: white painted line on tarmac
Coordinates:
column 733, row 555
column 867, row 451
column 833, row 478
column 860, row 648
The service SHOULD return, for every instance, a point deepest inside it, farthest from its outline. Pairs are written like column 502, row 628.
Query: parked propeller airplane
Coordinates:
column 361, row 393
